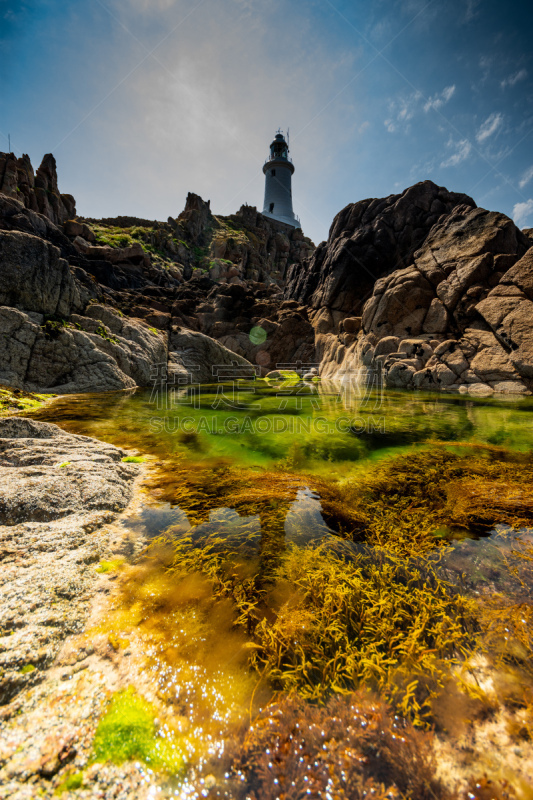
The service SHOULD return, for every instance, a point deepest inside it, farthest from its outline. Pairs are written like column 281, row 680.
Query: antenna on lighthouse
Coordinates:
column 288, row 146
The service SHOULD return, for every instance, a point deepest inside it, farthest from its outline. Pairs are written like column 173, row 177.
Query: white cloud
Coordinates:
column 511, row 80
column 401, row 111
column 523, row 213
column 485, row 64
column 489, row 127
column 440, row 99
column 526, row 177
column 471, row 9
column 463, row 149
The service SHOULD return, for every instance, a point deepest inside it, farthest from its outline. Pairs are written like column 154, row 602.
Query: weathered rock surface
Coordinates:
column 426, row 265
column 196, row 358
column 461, row 260
column 259, row 326
column 56, row 492
column 34, row 277
column 508, row 310
column 55, row 340
column 37, row 192
column 457, row 317
column 100, row 351
column 218, row 276
column 368, row 240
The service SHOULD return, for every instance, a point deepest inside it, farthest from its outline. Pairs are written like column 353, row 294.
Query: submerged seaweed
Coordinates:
column 350, row 748
column 320, row 610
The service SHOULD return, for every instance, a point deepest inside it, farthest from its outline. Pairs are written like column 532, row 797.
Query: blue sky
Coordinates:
column 142, row 101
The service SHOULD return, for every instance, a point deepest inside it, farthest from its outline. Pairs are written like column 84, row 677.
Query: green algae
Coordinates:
column 13, row 401
column 349, row 623
column 133, row 460
column 128, row 731
column 408, row 502
column 380, row 618
column 70, row 783
column 193, row 654
column 261, row 424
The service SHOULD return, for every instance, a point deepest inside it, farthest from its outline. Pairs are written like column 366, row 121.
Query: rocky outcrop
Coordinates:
column 195, row 358
column 215, row 275
column 457, row 318
column 94, row 352
column 101, row 350
column 367, row 241
column 196, row 218
column 14, row 216
column 37, row 192
column 420, row 286
column 57, row 337
column 256, row 324
column 36, row 278
column 462, row 258
column 56, row 492
column 508, row 310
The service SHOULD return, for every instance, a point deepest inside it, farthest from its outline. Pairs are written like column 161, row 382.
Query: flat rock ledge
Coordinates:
column 57, row 491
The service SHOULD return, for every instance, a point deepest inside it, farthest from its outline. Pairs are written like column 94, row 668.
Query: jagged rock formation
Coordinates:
column 368, row 240
column 39, row 191
column 423, row 286
column 65, row 283
column 57, row 336
column 36, row 278
column 456, row 316
column 101, row 350
column 462, row 258
column 235, row 249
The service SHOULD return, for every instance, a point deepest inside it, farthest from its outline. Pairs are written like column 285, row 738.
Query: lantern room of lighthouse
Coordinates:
column 278, row 170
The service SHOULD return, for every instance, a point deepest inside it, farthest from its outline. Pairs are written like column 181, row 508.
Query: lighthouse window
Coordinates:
column 273, row 173
column 271, row 207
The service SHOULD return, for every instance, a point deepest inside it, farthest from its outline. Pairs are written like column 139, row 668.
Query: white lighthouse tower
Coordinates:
column 278, row 169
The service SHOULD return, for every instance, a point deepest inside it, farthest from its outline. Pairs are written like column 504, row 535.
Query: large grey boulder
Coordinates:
column 196, row 358
column 368, row 240
column 99, row 352
column 18, row 333
column 508, row 310
column 462, row 259
column 34, row 277
column 34, row 486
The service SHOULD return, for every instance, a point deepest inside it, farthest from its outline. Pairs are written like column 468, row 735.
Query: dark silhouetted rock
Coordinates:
column 34, row 277
column 368, row 240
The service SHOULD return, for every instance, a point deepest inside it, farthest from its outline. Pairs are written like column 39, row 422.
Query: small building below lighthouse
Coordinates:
column 278, row 170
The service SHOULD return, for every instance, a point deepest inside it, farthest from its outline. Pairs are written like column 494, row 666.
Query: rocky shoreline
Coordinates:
column 66, row 504
column 422, row 287
column 61, row 500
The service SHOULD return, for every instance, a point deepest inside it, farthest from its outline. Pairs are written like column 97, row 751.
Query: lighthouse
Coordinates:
column 278, row 170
